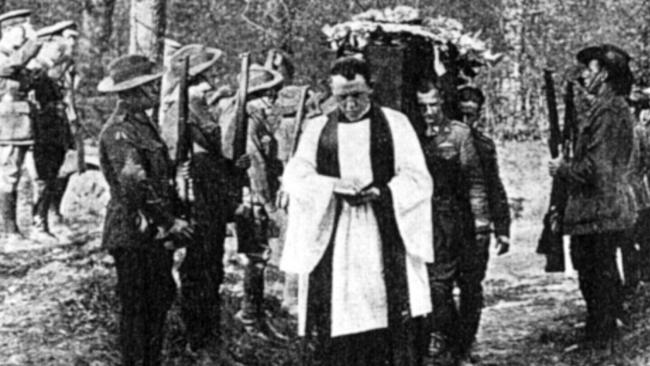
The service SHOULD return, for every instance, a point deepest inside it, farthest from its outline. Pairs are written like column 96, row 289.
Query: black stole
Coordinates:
column 382, row 156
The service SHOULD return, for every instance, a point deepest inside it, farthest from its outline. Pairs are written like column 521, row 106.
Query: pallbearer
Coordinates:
column 474, row 264
column 461, row 226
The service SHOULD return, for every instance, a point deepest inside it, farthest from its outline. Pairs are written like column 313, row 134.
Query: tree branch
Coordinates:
column 253, row 24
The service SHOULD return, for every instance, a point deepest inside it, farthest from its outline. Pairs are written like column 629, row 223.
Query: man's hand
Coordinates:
column 182, row 229
column 282, row 200
column 184, row 182
column 343, row 185
column 244, row 162
column 554, row 165
column 503, row 244
column 483, row 239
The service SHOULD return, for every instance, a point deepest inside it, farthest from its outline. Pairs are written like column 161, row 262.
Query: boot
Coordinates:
column 40, row 227
column 57, row 197
column 8, row 202
column 41, row 233
column 252, row 314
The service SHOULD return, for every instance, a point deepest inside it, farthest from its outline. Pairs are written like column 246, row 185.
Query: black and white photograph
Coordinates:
column 324, row 183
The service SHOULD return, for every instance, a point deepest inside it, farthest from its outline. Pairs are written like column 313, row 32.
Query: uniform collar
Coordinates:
column 443, row 128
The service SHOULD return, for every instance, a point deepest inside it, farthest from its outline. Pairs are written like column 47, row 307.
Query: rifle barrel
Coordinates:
column 553, row 119
column 241, row 128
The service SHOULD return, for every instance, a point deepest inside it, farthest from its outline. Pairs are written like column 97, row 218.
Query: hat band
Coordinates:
column 132, row 71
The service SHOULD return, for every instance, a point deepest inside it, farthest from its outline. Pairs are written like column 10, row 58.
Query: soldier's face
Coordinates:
column 430, row 105
column 594, row 76
column 199, row 87
column 70, row 42
column 149, row 95
column 15, row 36
column 469, row 108
column 352, row 96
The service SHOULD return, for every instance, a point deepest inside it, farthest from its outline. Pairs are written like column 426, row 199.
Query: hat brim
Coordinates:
column 108, row 85
column 273, row 83
column 202, row 67
column 590, row 53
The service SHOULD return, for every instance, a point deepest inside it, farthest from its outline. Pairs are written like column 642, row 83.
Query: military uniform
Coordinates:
column 251, row 219
column 460, row 212
column 137, row 168
column 202, row 269
column 17, row 113
column 642, row 225
column 632, row 258
column 600, row 209
column 52, row 131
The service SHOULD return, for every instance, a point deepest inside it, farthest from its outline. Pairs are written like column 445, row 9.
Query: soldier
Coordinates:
column 471, row 101
column 461, row 227
column 202, row 268
column 56, row 111
column 251, row 219
column 17, row 47
column 140, row 218
column 68, row 36
column 600, row 209
column 642, row 226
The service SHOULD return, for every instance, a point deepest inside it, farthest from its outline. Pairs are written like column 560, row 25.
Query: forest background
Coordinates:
column 533, row 34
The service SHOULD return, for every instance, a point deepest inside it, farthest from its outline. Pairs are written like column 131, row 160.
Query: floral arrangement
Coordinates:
column 402, row 22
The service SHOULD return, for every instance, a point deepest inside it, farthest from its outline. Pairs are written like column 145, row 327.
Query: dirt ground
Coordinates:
column 58, row 307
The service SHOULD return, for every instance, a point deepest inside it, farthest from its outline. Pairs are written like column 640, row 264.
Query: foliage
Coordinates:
column 533, row 33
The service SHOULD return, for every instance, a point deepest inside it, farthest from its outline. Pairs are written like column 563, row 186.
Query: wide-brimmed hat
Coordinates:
column 56, row 28
column 261, row 78
column 128, row 72
column 613, row 58
column 15, row 14
column 470, row 92
column 201, row 58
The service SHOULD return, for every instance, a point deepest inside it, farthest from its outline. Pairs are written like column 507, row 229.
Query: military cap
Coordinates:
column 15, row 14
column 128, row 72
column 612, row 57
column 201, row 58
column 56, row 28
column 470, row 92
column 262, row 78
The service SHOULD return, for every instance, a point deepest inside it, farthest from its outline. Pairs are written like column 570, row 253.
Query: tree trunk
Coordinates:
column 94, row 43
column 512, row 86
column 147, row 28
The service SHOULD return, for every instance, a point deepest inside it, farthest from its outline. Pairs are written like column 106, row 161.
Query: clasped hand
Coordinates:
column 356, row 194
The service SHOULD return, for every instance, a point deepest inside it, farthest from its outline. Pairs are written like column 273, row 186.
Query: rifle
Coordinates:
column 79, row 132
column 551, row 240
column 241, row 118
column 300, row 116
column 184, row 149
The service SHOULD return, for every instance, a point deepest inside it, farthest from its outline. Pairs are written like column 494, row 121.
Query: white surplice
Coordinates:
column 358, row 289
